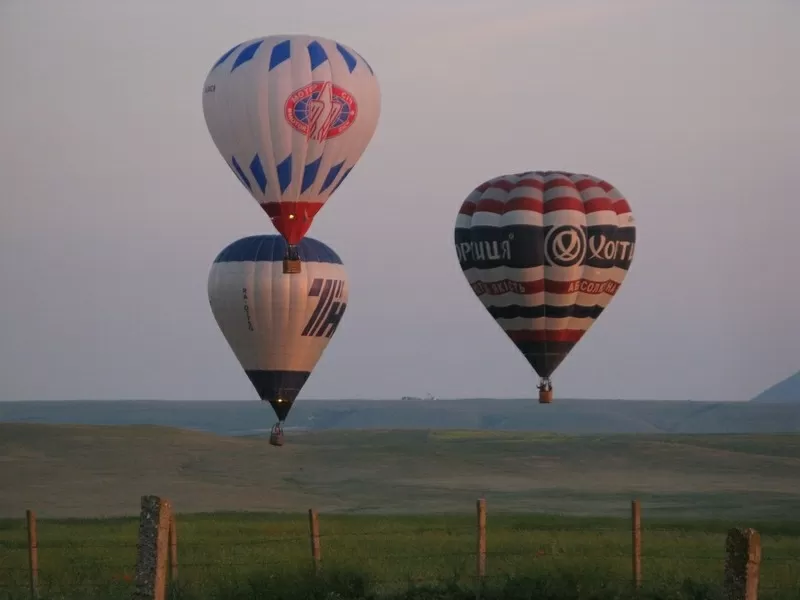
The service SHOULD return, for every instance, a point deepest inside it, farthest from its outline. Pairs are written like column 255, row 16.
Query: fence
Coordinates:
column 735, row 563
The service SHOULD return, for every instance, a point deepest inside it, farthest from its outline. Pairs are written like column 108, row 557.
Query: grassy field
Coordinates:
column 397, row 509
column 232, row 556
column 101, row 471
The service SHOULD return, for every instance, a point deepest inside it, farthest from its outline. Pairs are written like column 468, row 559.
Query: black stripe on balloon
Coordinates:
column 279, row 388
column 544, row 310
column 545, row 357
column 522, row 246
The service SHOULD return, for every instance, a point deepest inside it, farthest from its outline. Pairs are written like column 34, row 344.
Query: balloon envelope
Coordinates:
column 545, row 252
column 277, row 325
column 291, row 115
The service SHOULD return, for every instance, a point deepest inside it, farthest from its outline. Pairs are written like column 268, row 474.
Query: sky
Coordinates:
column 115, row 201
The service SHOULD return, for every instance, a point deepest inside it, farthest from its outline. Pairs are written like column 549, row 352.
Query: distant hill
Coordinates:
column 783, row 392
column 489, row 414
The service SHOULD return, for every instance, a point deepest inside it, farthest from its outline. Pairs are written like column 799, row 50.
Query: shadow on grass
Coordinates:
column 353, row 585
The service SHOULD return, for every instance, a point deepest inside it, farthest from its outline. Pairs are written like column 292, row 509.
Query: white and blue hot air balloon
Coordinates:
column 291, row 115
column 277, row 324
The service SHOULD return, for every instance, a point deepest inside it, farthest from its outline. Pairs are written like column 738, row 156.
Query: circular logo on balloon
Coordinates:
column 565, row 246
column 321, row 110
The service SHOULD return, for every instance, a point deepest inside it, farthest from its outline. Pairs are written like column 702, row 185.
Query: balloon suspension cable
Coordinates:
column 545, row 391
column 276, row 435
column 291, row 260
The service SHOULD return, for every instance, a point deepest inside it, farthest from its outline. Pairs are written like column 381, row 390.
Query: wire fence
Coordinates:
column 208, row 553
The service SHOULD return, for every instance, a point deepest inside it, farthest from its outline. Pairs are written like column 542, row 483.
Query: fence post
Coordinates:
column 636, row 528
column 481, row 553
column 742, row 564
column 33, row 553
column 313, row 526
column 173, row 547
column 152, row 549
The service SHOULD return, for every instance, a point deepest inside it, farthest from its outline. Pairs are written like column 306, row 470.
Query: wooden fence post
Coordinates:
column 152, row 549
column 313, row 527
column 481, row 550
column 636, row 528
column 33, row 553
column 173, row 547
column 742, row 564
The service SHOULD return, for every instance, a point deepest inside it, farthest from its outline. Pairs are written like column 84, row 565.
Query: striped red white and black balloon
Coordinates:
column 545, row 252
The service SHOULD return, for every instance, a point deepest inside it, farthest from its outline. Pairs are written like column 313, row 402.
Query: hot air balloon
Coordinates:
column 545, row 252
column 291, row 115
column 277, row 325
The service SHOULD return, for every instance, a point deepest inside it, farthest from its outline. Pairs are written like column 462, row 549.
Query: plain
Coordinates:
column 397, row 509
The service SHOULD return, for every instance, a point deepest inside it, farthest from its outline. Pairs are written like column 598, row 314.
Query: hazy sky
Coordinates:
column 115, row 200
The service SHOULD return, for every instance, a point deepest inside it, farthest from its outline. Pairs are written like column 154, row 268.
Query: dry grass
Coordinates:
column 95, row 471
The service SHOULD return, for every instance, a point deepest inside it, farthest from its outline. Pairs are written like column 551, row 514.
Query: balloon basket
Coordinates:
column 545, row 396
column 292, row 266
column 276, row 435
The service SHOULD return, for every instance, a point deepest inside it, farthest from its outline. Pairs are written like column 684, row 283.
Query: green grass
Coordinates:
column 389, row 504
column 232, row 556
